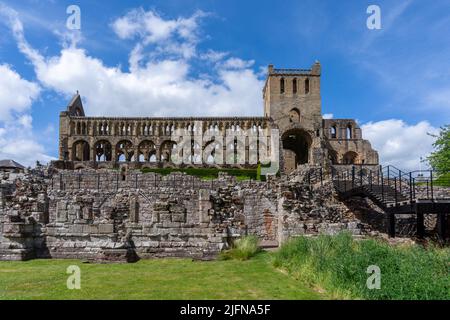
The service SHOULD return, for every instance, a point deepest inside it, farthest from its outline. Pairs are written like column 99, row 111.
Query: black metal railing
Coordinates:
column 391, row 185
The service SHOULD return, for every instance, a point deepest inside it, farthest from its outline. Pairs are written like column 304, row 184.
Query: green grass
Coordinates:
column 338, row 265
column 243, row 249
column 153, row 279
column 207, row 173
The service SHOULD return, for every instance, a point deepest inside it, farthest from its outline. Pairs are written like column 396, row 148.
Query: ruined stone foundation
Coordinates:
column 108, row 216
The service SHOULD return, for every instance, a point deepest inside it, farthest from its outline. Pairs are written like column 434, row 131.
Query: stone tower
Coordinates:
column 292, row 99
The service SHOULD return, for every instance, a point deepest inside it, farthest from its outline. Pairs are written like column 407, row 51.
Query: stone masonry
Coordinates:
column 292, row 107
column 104, row 215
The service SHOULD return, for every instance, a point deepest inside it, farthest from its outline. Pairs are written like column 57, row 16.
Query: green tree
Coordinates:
column 439, row 159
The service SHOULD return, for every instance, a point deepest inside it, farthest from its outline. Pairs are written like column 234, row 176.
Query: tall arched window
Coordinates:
column 294, row 86
column 306, row 85
column 349, row 132
column 333, row 132
column 282, row 85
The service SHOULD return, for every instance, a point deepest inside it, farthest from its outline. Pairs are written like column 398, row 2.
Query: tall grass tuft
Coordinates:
column 243, row 249
column 338, row 264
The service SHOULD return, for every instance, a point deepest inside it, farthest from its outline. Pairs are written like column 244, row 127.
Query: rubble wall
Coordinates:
column 115, row 216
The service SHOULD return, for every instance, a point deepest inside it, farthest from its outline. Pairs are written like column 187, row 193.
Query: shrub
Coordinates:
column 338, row 264
column 243, row 249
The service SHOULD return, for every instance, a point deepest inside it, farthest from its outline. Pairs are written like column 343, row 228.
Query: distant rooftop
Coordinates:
column 8, row 163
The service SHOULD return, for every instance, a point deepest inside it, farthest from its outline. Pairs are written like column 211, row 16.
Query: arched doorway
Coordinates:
column 80, row 151
column 350, row 157
column 296, row 146
column 332, row 156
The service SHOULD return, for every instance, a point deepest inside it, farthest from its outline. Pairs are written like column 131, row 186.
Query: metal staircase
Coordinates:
column 397, row 192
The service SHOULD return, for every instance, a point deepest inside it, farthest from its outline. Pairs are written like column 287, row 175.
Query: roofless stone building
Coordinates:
column 292, row 104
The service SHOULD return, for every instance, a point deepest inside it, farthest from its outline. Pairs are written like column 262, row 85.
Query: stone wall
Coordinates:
column 113, row 216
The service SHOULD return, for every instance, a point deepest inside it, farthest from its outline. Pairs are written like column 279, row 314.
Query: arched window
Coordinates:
column 282, row 85
column 333, row 132
column 349, row 132
column 294, row 115
column 306, row 85
column 294, row 86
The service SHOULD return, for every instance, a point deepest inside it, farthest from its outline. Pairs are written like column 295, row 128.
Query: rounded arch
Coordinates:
column 103, row 151
column 80, row 151
column 296, row 148
column 212, row 152
column 166, row 150
column 124, row 151
column 350, row 157
column 146, row 150
column 294, row 115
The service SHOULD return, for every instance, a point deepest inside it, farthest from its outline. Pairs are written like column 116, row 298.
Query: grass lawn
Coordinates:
column 153, row 279
column 212, row 173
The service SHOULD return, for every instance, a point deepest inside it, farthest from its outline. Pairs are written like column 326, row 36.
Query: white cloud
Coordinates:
column 161, row 86
column 16, row 94
column 328, row 116
column 18, row 142
column 172, row 36
column 213, row 56
column 399, row 143
column 236, row 63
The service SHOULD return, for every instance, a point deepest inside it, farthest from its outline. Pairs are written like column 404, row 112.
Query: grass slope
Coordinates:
column 152, row 279
column 338, row 264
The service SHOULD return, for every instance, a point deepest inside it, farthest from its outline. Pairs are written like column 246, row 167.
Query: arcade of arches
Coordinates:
column 292, row 109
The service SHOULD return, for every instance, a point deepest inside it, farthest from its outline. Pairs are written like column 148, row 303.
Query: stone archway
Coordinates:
column 80, row 151
column 296, row 148
column 350, row 157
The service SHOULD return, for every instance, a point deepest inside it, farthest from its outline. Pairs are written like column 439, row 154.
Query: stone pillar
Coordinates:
column 136, row 153
column 204, row 205
column 92, row 151
column 158, row 152
column 134, row 209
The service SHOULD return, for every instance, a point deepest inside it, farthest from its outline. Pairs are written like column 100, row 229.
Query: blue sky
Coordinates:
column 209, row 57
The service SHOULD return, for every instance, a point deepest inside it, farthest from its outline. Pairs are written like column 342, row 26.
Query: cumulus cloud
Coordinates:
column 400, row 144
column 16, row 136
column 17, row 143
column 162, row 86
column 328, row 116
column 176, row 36
column 16, row 93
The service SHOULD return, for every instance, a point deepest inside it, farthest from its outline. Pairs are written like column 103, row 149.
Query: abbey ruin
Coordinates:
column 98, row 203
column 292, row 105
